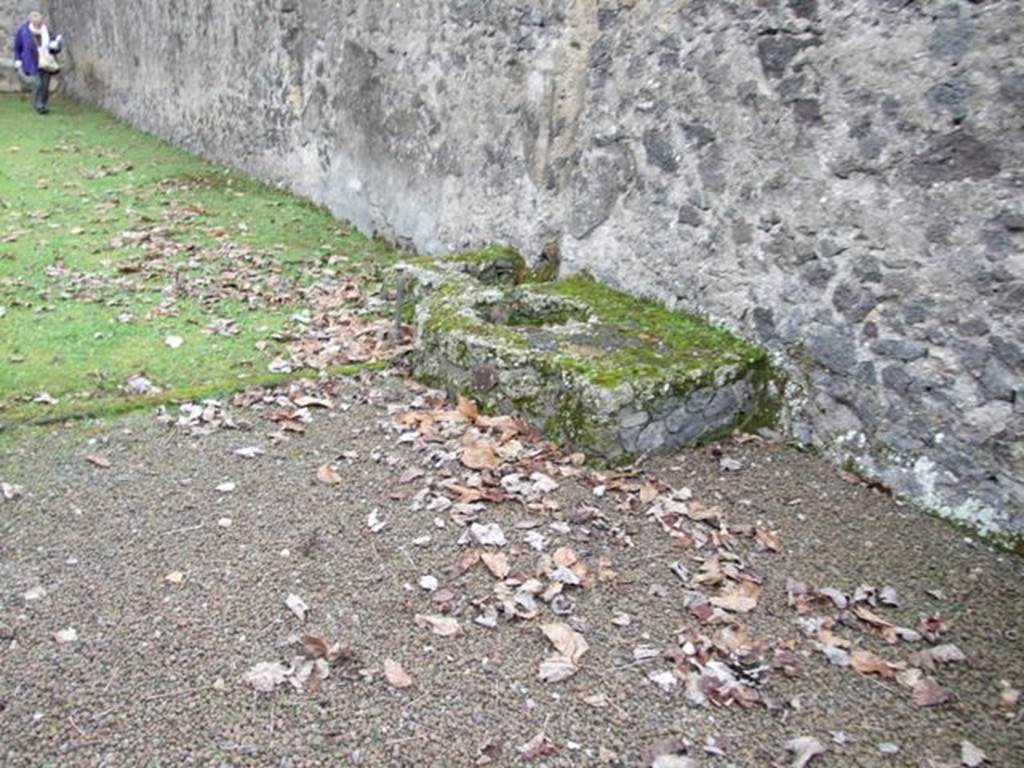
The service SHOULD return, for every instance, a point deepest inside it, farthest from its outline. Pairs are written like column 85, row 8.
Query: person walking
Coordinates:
column 35, row 56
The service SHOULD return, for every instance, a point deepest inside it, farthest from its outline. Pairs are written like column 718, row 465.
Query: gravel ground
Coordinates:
column 155, row 676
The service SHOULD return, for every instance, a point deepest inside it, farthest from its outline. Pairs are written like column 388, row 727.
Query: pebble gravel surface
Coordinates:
column 175, row 564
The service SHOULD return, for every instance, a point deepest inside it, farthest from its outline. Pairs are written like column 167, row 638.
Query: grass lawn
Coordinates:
column 113, row 243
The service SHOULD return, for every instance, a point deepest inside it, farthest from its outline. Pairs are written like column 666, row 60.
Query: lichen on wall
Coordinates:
column 837, row 180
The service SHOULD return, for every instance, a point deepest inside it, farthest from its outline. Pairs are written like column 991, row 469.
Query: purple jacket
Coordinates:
column 25, row 50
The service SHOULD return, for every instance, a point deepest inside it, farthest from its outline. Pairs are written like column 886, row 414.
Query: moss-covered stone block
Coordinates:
column 612, row 374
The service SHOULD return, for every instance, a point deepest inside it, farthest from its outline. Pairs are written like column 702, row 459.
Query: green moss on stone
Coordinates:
column 496, row 264
column 579, row 341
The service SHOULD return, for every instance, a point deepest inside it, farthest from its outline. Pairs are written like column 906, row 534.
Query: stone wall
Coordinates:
column 12, row 15
column 841, row 180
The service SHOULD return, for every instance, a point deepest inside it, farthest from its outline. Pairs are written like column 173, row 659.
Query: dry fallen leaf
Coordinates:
column 971, row 756
column 734, row 602
column 314, row 647
column 538, row 746
column 673, row 761
column 770, row 540
column 480, row 456
column 1009, row 697
column 175, row 577
column 65, row 636
column 97, row 460
column 374, row 521
column 297, row 606
column 489, row 534
column 396, row 675
column 497, row 564
column 557, row 668
column 868, row 663
column 467, row 408
column 868, row 617
column 947, row 653
column 444, row 626
column 665, row 679
column 267, row 675
column 928, row 693
column 307, row 401
column 10, row 491
column 328, row 475
column 804, row 750
column 567, row 641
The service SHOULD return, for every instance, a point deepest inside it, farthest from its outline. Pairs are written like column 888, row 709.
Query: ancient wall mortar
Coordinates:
column 840, row 180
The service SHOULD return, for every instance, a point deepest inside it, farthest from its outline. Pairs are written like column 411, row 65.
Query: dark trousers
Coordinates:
column 40, row 84
column 41, row 95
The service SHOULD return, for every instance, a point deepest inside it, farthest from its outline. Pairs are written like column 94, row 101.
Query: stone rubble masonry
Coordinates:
column 612, row 375
column 841, row 181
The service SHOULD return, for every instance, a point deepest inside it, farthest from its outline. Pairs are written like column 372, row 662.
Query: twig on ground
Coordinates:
column 186, row 529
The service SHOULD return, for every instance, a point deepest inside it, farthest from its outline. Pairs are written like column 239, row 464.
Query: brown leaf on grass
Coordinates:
column 98, row 461
column 480, row 456
column 328, row 475
column 804, row 749
column 443, row 626
column 928, row 693
column 396, row 675
column 868, row 663
column 567, row 641
column 497, row 564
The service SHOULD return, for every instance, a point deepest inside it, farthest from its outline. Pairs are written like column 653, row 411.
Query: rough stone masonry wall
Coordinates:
column 841, row 180
column 12, row 15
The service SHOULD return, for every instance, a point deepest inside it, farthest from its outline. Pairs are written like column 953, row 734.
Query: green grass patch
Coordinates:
column 112, row 240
